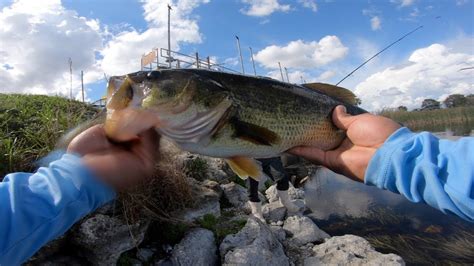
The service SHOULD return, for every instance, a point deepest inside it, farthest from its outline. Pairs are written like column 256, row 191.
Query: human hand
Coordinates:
column 120, row 165
column 365, row 133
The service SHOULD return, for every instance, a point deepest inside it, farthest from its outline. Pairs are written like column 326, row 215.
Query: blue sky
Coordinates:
column 320, row 40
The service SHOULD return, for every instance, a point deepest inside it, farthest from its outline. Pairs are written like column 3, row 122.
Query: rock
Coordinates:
column 303, row 230
column 213, row 185
column 235, row 194
column 104, row 238
column 350, row 250
column 206, row 197
column 294, row 193
column 274, row 211
column 202, row 167
column 278, row 232
column 255, row 244
column 49, row 250
column 145, row 254
column 198, row 247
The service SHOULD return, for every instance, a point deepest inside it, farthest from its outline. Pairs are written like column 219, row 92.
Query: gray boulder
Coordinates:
column 235, row 194
column 255, row 244
column 198, row 247
column 206, row 198
column 303, row 230
column 104, row 238
column 274, row 211
column 350, row 250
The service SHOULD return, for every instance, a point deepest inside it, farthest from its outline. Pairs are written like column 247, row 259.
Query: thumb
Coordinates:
column 341, row 118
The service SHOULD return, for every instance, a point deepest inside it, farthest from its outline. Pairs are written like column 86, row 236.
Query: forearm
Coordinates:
column 424, row 168
column 36, row 208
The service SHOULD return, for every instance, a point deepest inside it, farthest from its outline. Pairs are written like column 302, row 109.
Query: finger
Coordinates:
column 310, row 153
column 91, row 140
column 341, row 118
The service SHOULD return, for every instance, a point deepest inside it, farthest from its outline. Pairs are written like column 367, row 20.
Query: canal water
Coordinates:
column 415, row 231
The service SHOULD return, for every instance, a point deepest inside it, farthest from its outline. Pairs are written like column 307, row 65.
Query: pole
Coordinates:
column 253, row 62
column 169, row 36
column 281, row 72
column 302, row 81
column 82, row 84
column 287, row 79
column 240, row 54
column 197, row 60
column 70, row 78
column 208, row 63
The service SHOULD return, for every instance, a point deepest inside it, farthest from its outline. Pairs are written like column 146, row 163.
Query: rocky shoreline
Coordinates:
column 223, row 233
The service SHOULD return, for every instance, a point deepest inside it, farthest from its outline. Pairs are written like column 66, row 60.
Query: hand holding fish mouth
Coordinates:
column 118, row 165
column 365, row 134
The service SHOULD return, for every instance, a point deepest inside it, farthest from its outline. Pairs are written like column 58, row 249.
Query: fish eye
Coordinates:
column 153, row 75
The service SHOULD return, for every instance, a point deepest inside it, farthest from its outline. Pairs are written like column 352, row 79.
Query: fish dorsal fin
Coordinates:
column 253, row 133
column 339, row 93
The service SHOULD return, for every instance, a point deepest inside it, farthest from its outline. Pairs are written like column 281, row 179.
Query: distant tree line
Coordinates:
column 453, row 100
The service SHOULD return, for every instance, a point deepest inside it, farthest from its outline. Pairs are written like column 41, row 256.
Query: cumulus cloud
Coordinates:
column 311, row 4
column 303, row 55
column 375, row 23
column 261, row 8
column 403, row 3
column 431, row 72
column 122, row 53
column 37, row 39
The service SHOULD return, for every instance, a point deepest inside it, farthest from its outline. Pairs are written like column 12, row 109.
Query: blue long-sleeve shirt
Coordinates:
column 36, row 208
column 424, row 168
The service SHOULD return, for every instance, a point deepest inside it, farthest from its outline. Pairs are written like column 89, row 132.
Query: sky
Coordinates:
column 316, row 40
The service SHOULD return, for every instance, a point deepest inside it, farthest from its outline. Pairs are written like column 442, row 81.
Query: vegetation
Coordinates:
column 30, row 126
column 222, row 226
column 196, row 168
column 459, row 119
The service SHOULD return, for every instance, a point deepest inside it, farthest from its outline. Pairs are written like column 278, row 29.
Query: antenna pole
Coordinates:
column 381, row 51
column 240, row 54
column 169, row 36
column 281, row 72
column 70, row 78
column 253, row 62
column 287, row 78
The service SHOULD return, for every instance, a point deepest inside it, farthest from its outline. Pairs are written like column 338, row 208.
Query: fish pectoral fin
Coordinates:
column 246, row 167
column 340, row 93
column 254, row 133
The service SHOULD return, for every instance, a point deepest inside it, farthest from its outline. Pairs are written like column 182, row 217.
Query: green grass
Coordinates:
column 30, row 126
column 459, row 119
column 196, row 168
column 222, row 226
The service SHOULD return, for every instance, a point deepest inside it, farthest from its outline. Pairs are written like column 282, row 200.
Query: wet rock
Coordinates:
column 255, row 244
column 198, row 247
column 274, row 211
column 294, row 193
column 350, row 250
column 104, row 238
column 303, row 230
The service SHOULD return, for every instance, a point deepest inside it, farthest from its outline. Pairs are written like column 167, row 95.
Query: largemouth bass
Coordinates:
column 225, row 115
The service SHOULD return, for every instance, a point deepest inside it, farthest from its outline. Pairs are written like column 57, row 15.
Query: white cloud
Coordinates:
column 311, row 4
column 37, row 39
column 326, row 75
column 122, row 53
column 375, row 23
column 431, row 72
column 303, row 55
column 403, row 3
column 260, row 8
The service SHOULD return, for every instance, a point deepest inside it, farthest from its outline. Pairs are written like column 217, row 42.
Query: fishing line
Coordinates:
column 381, row 51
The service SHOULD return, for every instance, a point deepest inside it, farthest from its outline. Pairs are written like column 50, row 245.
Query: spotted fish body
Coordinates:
column 225, row 115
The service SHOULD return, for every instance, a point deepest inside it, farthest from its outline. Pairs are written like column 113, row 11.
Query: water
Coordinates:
column 417, row 232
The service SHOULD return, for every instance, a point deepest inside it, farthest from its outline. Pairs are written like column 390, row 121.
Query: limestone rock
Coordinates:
column 350, row 250
column 274, row 211
column 303, row 230
column 206, row 197
column 255, row 244
column 198, row 247
column 294, row 193
column 278, row 232
column 104, row 238
column 235, row 194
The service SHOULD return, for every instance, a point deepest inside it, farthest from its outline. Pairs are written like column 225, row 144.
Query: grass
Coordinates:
column 30, row 126
column 196, row 168
column 456, row 119
column 223, row 225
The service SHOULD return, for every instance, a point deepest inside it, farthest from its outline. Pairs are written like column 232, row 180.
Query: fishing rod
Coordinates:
column 381, row 51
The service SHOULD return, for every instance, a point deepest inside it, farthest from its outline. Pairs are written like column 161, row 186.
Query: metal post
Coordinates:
column 178, row 64
column 197, row 60
column 82, row 84
column 287, row 79
column 70, row 75
column 281, row 72
column 240, row 54
column 169, row 36
column 208, row 63
column 253, row 62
